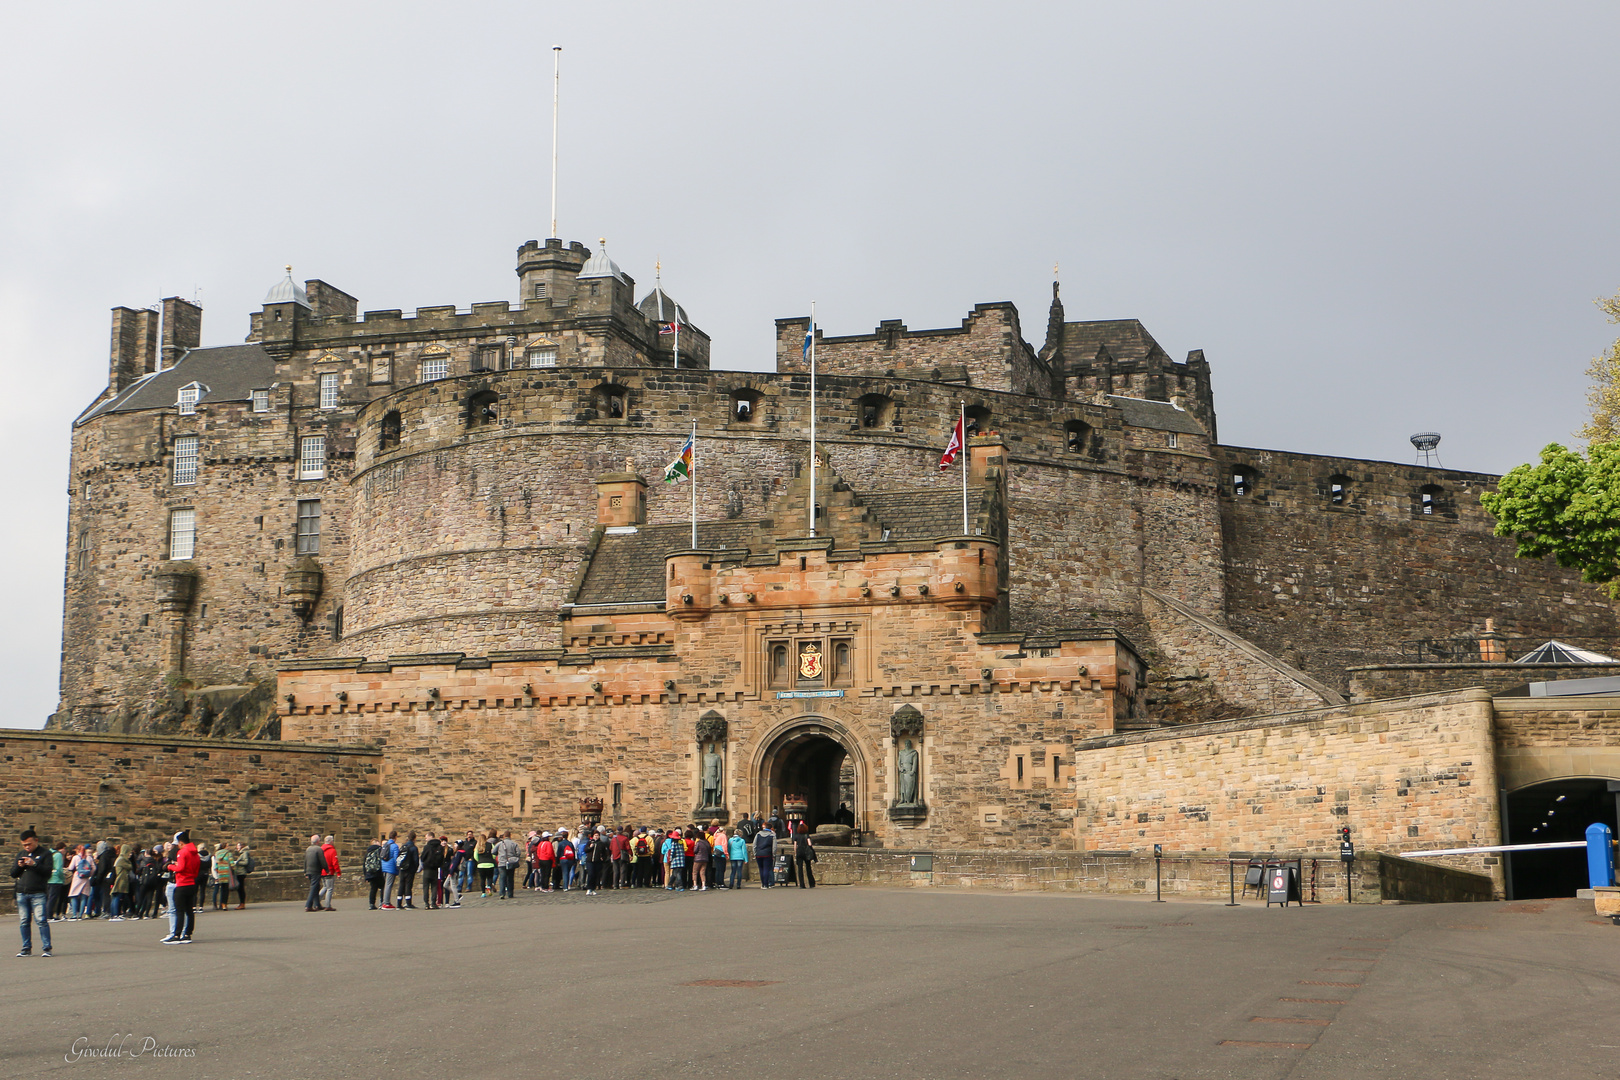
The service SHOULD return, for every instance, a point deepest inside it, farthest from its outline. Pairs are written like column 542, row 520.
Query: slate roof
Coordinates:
column 628, row 568
column 1158, row 415
column 1127, row 339
column 922, row 515
column 230, row 372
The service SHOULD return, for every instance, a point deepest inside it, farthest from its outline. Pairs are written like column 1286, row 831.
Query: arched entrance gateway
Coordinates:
column 817, row 759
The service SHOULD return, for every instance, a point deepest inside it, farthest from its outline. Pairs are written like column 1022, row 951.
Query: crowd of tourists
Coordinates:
column 588, row 859
column 118, row 881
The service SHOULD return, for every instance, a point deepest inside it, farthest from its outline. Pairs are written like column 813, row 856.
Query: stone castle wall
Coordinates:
column 1404, row 775
column 1541, row 739
column 1329, row 587
column 269, row 795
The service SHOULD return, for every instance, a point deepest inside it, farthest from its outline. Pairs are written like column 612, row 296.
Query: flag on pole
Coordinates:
column 809, row 338
column 952, row 448
column 681, row 468
column 670, row 328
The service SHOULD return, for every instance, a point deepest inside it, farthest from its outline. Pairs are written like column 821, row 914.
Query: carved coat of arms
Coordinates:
column 810, row 661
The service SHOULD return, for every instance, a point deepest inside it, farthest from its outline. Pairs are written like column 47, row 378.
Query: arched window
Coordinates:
column 1076, row 436
column 779, row 670
column 1243, row 478
column 388, row 436
column 978, row 420
column 1338, row 489
column 482, row 408
column 875, row 411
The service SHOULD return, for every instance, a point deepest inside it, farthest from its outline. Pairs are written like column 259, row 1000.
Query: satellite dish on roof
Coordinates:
column 1426, row 441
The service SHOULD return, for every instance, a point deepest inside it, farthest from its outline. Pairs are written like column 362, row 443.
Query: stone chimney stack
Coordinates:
column 134, row 347
column 621, row 499
column 1492, row 647
column 182, row 329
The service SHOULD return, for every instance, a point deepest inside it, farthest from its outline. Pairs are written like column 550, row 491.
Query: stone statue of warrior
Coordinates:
column 908, row 776
column 711, row 777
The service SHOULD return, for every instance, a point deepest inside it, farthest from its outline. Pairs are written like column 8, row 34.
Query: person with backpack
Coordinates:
column 565, row 861
column 371, row 868
column 765, row 855
column 448, row 873
column 390, row 868
column 748, row 828
column 432, row 871
column 722, row 854
column 410, row 860
column 804, row 855
column 56, row 888
column 464, row 862
column 619, row 857
column 674, row 863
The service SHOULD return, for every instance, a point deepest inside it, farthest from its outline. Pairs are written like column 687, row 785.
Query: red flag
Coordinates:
column 953, row 447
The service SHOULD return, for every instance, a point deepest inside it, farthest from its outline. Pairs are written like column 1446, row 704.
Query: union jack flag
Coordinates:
column 669, row 328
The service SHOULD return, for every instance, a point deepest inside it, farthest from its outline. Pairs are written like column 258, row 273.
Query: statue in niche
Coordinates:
column 712, row 767
column 907, row 763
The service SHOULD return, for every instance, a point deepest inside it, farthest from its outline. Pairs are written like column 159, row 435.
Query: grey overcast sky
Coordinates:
column 1376, row 218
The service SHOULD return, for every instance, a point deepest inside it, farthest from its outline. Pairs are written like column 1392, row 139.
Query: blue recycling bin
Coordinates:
column 1599, row 855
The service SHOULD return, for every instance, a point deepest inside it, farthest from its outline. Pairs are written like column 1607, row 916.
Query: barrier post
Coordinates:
column 1231, row 885
column 1158, row 874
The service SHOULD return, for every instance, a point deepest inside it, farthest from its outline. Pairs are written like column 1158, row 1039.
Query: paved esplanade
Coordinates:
column 836, row 983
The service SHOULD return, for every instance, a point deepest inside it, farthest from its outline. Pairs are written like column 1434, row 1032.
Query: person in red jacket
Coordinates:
column 185, row 868
column 330, row 875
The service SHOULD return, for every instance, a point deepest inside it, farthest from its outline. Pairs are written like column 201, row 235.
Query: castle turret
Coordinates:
column 546, row 272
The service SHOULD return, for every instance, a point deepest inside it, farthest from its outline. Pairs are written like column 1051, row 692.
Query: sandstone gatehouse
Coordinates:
column 444, row 536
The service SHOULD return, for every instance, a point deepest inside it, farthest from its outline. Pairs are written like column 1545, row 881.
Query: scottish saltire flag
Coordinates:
column 953, row 447
column 669, row 328
column 809, row 335
column 681, row 468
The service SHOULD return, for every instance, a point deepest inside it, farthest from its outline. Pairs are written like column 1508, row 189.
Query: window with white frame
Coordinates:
column 309, row 526
column 188, row 400
column 312, row 457
column 1172, row 440
column 543, row 356
column 185, row 459
column 329, row 390
column 261, row 401
column 434, row 367
column 182, row 533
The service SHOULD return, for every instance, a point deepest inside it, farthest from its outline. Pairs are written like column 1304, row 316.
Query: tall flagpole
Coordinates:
column 556, row 91
column 692, row 475
column 812, row 418
column 962, row 420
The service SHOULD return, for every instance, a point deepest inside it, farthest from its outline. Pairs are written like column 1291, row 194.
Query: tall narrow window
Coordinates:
column 329, row 390
column 434, row 367
column 779, row 663
column 309, row 526
column 543, row 356
column 84, row 551
column 261, row 401
column 618, row 794
column 1172, row 440
column 182, row 533
column 388, row 437
column 188, row 400
column 185, row 459
column 312, row 457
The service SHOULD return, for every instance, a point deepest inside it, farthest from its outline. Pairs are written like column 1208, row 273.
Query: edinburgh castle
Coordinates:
column 444, row 538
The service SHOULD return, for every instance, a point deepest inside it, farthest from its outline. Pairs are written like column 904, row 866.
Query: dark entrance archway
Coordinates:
column 816, row 761
column 1546, row 813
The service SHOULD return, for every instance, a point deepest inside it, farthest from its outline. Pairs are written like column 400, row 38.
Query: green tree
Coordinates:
column 1604, row 395
column 1568, row 507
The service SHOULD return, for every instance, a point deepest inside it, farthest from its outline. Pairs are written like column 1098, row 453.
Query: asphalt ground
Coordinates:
column 838, row 982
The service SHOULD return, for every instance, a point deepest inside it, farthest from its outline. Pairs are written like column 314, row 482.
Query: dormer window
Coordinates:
column 261, row 401
column 1172, row 440
column 543, row 356
column 187, row 400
